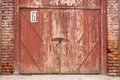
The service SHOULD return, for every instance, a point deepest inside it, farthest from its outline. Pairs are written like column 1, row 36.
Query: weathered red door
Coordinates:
column 80, row 48
column 38, row 53
column 60, row 41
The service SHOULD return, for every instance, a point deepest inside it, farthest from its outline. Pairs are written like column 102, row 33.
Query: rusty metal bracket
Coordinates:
column 60, row 39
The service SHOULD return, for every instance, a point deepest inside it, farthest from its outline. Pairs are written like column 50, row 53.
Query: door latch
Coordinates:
column 60, row 39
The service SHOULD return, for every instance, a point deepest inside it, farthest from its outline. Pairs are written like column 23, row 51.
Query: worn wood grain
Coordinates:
column 68, row 37
column 0, row 31
column 85, row 3
column 78, row 50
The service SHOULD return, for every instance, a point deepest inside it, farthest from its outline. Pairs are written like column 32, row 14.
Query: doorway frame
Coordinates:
column 103, row 34
column 0, row 32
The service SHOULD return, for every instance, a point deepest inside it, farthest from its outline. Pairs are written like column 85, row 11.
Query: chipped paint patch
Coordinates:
column 54, row 2
column 36, row 2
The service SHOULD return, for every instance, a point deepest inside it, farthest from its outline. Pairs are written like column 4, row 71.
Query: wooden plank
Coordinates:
column 16, row 38
column 0, row 32
column 50, row 20
column 71, row 3
column 74, row 3
column 57, row 7
column 104, row 36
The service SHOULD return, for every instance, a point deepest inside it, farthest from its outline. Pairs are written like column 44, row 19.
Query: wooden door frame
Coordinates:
column 17, row 8
column 0, row 31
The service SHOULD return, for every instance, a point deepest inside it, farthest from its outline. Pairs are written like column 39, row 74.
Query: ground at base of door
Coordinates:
column 57, row 77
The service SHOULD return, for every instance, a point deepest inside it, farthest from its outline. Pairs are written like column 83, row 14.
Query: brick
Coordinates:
column 117, row 65
column 7, row 37
column 113, row 28
column 115, row 53
column 109, row 47
column 110, row 65
column 112, row 74
column 112, row 68
column 115, row 58
column 110, row 71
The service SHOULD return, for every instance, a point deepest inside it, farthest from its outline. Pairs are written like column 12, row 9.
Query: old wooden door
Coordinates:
column 80, row 48
column 60, row 41
column 38, row 52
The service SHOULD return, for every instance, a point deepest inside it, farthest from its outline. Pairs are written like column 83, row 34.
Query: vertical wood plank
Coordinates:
column 0, row 32
column 104, row 36
column 50, row 47
column 16, row 30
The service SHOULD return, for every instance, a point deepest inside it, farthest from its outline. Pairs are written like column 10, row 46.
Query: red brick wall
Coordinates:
column 119, row 37
column 7, row 37
column 113, row 32
column 7, row 52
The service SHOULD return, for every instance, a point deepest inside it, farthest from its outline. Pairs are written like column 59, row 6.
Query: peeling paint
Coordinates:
column 62, row 41
column 73, row 3
column 36, row 2
column 54, row 2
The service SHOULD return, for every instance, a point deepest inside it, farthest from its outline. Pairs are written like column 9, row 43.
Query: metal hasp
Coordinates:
column 60, row 39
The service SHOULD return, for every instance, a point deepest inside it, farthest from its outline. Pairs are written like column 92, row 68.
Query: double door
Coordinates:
column 60, row 41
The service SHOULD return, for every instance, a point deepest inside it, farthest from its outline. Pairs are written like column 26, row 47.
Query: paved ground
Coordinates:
column 58, row 77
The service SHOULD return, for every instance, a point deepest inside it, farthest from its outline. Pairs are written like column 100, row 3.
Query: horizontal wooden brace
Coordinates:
column 60, row 7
